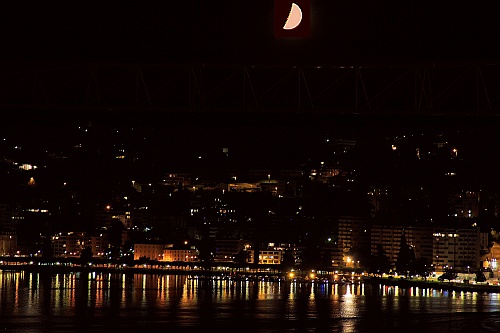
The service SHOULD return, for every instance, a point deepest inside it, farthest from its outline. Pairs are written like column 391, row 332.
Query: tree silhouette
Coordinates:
column 288, row 261
column 480, row 277
column 86, row 256
column 206, row 249
column 326, row 259
column 422, row 267
column 361, row 254
column 312, row 254
column 47, row 250
column 379, row 262
column 115, row 237
column 241, row 258
column 406, row 257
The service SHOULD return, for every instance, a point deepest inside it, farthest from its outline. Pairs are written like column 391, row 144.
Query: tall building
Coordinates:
column 331, row 255
column 8, row 243
column 69, row 244
column 353, row 232
column 379, row 199
column 271, row 254
column 99, row 244
column 267, row 257
column 6, row 221
column 227, row 249
column 422, row 241
column 389, row 237
column 459, row 249
column 464, row 204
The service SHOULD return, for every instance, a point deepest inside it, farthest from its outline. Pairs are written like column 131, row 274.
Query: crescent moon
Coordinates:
column 294, row 17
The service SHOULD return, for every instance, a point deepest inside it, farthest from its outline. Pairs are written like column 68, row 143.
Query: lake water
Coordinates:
column 36, row 302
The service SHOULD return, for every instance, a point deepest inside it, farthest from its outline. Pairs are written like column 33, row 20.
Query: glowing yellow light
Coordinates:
column 32, row 182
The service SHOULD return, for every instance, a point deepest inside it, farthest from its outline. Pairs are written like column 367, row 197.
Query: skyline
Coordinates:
column 187, row 131
column 401, row 154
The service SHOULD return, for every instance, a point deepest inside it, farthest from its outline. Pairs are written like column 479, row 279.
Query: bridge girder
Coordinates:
column 460, row 89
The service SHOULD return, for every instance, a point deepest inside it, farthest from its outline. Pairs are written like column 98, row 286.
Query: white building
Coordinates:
column 269, row 256
column 458, row 248
column 165, row 253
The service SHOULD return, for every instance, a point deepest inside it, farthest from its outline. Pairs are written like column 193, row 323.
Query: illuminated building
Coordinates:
column 7, row 220
column 389, row 237
column 271, row 255
column 98, row 244
column 259, row 175
column 353, row 231
column 165, row 253
column 378, row 198
column 149, row 251
column 178, row 254
column 464, row 204
column 227, row 249
column 458, row 248
column 8, row 243
column 70, row 244
column 177, row 180
column 491, row 259
column 106, row 216
column 244, row 187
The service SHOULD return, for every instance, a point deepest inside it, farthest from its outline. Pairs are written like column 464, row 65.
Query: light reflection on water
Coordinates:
column 35, row 302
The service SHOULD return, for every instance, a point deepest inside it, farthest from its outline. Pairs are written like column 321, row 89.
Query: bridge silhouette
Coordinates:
column 458, row 89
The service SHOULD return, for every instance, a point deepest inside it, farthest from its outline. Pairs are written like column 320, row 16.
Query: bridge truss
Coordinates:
column 445, row 89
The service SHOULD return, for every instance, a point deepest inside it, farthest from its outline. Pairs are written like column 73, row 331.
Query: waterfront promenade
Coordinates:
column 435, row 284
column 257, row 274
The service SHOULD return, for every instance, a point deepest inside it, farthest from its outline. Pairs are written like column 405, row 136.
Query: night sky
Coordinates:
column 241, row 32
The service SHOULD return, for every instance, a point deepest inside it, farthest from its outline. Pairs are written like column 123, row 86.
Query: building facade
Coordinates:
column 8, row 243
column 458, row 249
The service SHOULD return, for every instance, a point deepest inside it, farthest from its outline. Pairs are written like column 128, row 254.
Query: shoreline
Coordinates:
column 450, row 286
column 255, row 275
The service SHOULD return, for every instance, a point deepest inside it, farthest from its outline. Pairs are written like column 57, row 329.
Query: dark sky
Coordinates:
column 241, row 32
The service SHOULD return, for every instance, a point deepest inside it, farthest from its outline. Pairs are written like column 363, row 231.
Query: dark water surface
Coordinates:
column 35, row 302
